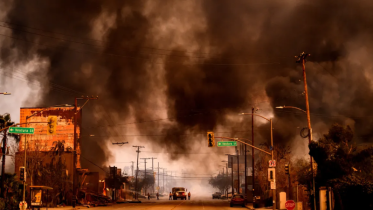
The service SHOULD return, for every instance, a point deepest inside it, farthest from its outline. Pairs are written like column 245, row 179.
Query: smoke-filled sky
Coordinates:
column 166, row 72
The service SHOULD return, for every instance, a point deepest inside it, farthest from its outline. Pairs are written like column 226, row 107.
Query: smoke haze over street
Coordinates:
column 166, row 72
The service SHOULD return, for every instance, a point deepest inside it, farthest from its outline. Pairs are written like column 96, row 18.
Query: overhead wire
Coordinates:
column 94, row 164
column 146, row 56
column 91, row 39
column 95, row 40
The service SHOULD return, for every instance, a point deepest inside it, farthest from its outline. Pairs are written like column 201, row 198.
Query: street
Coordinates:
column 203, row 203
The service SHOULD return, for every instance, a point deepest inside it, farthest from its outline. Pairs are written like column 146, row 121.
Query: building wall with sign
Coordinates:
column 40, row 140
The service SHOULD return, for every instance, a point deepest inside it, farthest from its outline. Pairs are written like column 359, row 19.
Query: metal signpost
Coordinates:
column 227, row 143
column 22, row 130
column 273, row 185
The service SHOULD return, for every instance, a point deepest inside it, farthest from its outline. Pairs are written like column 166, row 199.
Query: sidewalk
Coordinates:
column 99, row 207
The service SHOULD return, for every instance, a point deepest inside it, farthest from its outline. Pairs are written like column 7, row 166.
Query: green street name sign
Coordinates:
column 21, row 130
column 227, row 143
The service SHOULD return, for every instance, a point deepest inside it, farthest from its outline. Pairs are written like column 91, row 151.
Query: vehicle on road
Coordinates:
column 216, row 195
column 237, row 200
column 179, row 192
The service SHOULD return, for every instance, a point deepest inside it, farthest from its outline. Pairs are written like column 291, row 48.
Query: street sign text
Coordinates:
column 21, row 130
column 227, row 143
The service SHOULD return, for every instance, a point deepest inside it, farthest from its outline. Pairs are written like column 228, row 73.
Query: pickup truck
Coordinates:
column 179, row 192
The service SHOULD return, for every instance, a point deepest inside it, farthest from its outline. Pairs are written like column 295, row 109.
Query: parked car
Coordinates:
column 216, row 195
column 237, row 200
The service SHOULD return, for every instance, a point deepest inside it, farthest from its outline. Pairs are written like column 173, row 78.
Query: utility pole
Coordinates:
column 166, row 180
column 159, row 184
column 145, row 183
column 153, row 171
column 163, row 180
column 132, row 168
column 77, row 140
column 137, row 168
column 271, row 148
column 253, row 156
column 302, row 59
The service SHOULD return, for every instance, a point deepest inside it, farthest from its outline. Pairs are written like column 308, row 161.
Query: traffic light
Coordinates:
column 22, row 174
column 52, row 124
column 210, row 139
column 287, row 168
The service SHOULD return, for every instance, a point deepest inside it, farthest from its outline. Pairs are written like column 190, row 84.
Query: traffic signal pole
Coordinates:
column 24, row 181
column 232, row 176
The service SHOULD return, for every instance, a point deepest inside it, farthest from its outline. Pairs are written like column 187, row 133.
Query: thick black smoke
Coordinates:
column 242, row 54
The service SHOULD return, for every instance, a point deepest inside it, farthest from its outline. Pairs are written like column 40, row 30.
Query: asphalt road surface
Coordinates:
column 196, row 203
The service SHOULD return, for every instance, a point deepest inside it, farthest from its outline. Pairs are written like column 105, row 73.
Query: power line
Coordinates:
column 95, row 40
column 138, row 135
column 93, row 163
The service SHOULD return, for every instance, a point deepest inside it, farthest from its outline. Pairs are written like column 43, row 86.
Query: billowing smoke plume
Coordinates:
column 197, row 63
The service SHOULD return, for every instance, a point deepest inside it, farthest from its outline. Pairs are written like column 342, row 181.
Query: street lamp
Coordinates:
column 274, row 191
column 290, row 107
column 5, row 93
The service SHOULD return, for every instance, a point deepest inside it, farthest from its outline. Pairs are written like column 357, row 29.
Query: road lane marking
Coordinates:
column 178, row 205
